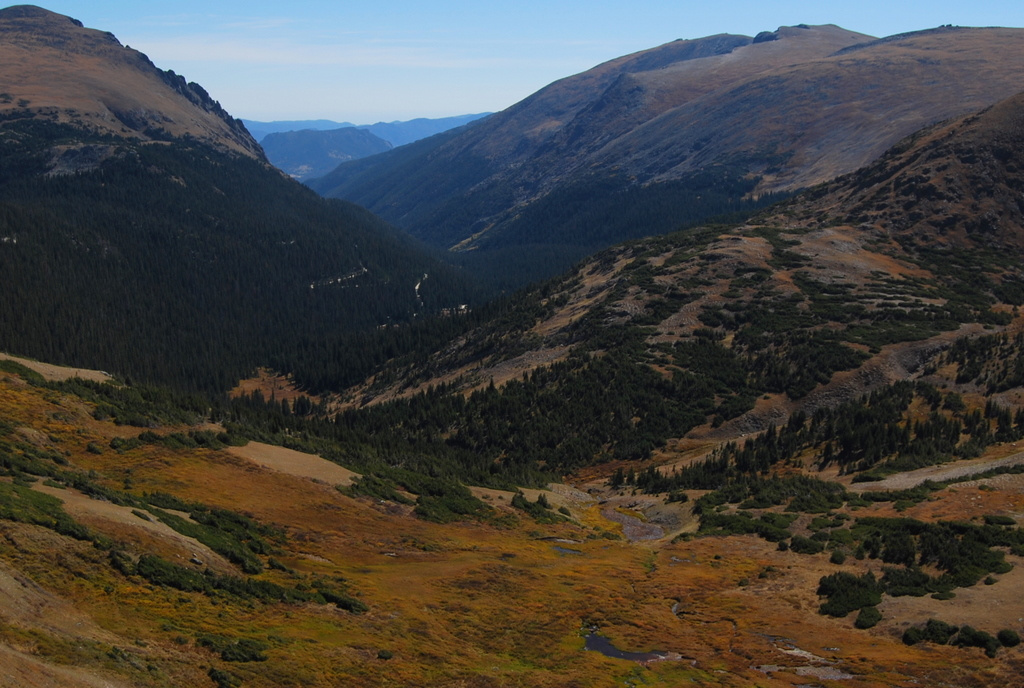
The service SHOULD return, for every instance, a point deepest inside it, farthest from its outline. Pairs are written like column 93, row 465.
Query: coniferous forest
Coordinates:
column 181, row 265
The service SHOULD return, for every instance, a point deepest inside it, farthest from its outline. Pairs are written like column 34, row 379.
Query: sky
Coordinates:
column 365, row 62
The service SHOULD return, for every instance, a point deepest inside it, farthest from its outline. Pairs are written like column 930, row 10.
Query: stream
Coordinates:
column 633, row 528
column 598, row 643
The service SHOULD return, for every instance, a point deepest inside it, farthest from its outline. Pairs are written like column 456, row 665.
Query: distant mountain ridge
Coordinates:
column 782, row 111
column 397, row 133
column 309, row 149
column 311, row 153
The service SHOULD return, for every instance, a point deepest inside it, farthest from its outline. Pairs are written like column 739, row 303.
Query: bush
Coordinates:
column 970, row 637
column 939, row 632
column 223, row 679
column 994, row 520
column 803, row 545
column 868, row 617
column 935, row 631
column 847, row 592
column 162, row 572
column 1008, row 638
column 245, row 650
column 912, row 636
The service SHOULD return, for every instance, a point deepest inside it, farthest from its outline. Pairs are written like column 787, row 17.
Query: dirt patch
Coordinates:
column 268, row 383
column 55, row 373
column 905, row 481
column 294, row 463
column 989, row 608
column 20, row 670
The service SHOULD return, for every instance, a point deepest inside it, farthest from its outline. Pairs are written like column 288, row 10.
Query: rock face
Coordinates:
column 52, row 67
column 787, row 110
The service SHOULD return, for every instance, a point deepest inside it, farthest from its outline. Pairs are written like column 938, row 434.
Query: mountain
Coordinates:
column 954, row 186
column 770, row 453
column 260, row 130
column 872, row 279
column 143, row 232
column 311, row 153
column 401, row 133
column 668, row 136
column 396, row 133
column 64, row 73
column 307, row 152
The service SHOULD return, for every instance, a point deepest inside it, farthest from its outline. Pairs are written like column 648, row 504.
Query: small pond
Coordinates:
column 598, row 643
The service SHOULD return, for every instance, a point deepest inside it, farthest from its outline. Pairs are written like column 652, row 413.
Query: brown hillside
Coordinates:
column 956, row 184
column 794, row 108
column 53, row 67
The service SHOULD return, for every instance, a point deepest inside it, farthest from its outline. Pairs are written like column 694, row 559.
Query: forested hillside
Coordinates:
column 142, row 231
column 180, row 264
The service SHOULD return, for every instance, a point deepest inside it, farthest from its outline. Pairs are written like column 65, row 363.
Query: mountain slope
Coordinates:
column 956, row 185
column 792, row 108
column 165, row 247
column 57, row 69
column 860, row 282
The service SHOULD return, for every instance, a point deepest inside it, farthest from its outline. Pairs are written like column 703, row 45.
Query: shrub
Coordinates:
column 847, row 592
column 939, row 632
column 245, row 650
column 162, row 572
column 223, row 679
column 994, row 520
column 971, row 637
column 912, row 636
column 868, row 617
column 1008, row 638
column 803, row 545
column 935, row 631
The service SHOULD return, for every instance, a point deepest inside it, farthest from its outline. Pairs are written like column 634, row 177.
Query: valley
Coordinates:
column 772, row 435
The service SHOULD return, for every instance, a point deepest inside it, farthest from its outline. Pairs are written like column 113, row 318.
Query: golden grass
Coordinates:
column 464, row 604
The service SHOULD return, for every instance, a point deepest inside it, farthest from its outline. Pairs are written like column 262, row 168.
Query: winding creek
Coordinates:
column 633, row 528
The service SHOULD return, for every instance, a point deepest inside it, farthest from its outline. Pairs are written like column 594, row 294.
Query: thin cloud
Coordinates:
column 418, row 55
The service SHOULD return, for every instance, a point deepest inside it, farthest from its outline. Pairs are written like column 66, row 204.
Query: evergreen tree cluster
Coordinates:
column 873, row 436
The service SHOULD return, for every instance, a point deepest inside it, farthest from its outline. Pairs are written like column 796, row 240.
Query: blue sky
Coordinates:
column 364, row 62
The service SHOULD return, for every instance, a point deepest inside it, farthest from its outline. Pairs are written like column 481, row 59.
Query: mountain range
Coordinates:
column 311, row 149
column 397, row 133
column 676, row 134
column 780, row 450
